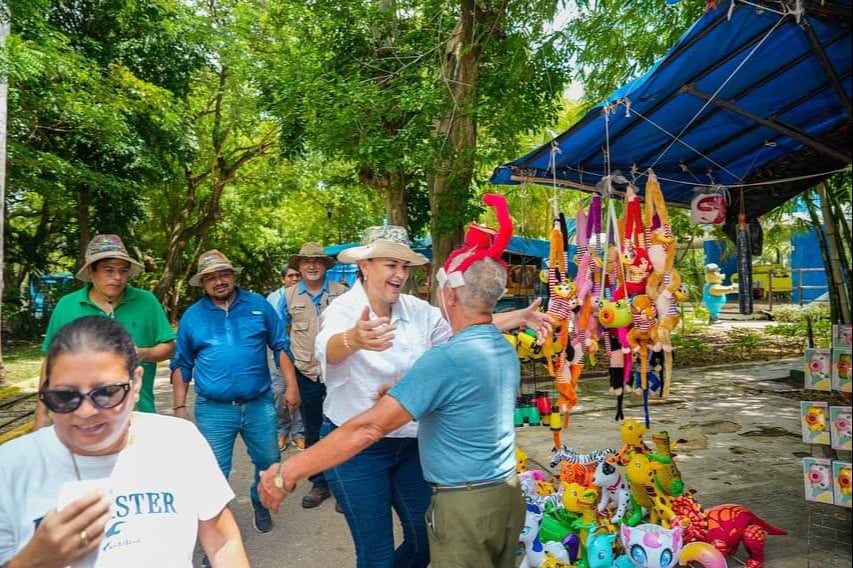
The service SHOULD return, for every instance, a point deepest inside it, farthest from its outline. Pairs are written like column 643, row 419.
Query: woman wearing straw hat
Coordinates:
column 354, row 348
column 106, row 271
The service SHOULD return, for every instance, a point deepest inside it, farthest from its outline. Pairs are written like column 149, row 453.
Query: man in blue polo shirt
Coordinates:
column 222, row 345
column 462, row 393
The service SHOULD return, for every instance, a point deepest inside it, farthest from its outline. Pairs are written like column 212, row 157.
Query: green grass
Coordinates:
column 22, row 364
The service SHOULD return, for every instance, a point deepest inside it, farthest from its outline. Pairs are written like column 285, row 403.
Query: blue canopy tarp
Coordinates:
column 776, row 95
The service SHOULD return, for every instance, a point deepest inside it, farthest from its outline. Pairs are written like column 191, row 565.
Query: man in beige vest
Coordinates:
column 300, row 307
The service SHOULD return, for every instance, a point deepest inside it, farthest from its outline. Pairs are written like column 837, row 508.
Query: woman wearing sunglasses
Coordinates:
column 105, row 486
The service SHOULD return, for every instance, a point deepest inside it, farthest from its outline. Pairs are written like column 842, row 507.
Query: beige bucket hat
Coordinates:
column 212, row 261
column 387, row 241
column 310, row 250
column 102, row 247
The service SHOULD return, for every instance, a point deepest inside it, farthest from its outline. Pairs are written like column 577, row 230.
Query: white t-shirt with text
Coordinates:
column 162, row 485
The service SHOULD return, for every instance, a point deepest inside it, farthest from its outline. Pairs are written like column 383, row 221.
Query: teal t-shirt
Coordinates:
column 463, row 394
column 139, row 312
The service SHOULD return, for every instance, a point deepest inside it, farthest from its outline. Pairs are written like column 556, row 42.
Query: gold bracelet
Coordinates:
column 346, row 343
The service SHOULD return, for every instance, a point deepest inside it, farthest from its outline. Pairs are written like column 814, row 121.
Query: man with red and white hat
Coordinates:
column 462, row 393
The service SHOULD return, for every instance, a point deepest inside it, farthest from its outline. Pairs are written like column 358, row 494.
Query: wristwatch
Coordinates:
column 279, row 479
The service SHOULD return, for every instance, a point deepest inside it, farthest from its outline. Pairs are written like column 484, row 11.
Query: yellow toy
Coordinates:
column 668, row 476
column 632, row 433
column 552, row 561
column 520, row 460
column 664, row 282
column 582, row 501
column 642, row 473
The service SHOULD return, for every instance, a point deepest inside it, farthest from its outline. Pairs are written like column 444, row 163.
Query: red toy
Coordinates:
column 480, row 242
column 725, row 526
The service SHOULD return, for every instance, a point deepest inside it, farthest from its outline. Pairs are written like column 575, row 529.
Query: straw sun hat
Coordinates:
column 387, row 241
column 102, row 247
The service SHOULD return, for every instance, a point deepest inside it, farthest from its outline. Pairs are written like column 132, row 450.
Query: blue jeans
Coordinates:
column 312, row 393
column 255, row 421
column 385, row 475
column 289, row 423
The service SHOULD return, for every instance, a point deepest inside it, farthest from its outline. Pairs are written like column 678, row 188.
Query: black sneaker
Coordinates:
column 205, row 562
column 261, row 520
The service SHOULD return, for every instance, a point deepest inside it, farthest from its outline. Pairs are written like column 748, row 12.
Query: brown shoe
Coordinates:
column 299, row 443
column 316, row 496
column 282, row 442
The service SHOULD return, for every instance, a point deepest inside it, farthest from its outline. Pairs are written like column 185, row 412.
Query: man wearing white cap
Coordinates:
column 106, row 271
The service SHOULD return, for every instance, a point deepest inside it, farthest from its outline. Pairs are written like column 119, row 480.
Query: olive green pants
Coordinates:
column 477, row 527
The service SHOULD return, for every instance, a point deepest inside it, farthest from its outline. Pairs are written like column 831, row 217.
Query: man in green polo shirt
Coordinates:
column 106, row 270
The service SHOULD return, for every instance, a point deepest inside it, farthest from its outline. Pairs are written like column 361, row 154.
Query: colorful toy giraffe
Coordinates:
column 581, row 501
column 642, row 474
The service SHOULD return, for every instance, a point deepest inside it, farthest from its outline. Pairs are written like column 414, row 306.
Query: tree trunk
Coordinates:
column 845, row 243
column 832, row 239
column 84, row 197
column 824, row 253
column 4, row 92
column 393, row 189
column 455, row 135
column 195, row 216
column 396, row 202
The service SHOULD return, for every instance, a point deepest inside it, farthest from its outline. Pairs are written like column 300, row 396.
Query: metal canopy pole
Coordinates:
column 743, row 93
column 820, row 52
column 780, row 127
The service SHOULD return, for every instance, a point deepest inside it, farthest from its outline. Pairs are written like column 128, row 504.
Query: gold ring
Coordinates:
column 84, row 539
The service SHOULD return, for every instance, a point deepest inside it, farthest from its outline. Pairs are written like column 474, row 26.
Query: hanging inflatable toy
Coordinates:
column 664, row 284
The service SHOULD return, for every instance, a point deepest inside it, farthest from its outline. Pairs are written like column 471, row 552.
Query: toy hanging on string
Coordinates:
column 615, row 316
column 562, row 308
column 634, row 249
column 664, row 284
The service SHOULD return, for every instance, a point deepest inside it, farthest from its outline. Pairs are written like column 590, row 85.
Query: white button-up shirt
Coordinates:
column 353, row 384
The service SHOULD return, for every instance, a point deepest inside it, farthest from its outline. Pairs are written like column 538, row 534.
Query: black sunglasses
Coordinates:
column 65, row 401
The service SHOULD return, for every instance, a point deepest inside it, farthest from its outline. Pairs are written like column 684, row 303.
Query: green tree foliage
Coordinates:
column 87, row 131
column 613, row 41
column 363, row 82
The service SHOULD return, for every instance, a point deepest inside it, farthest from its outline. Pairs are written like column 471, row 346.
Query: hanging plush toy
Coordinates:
column 584, row 285
column 562, row 302
column 634, row 256
column 563, row 307
column 664, row 284
column 644, row 333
